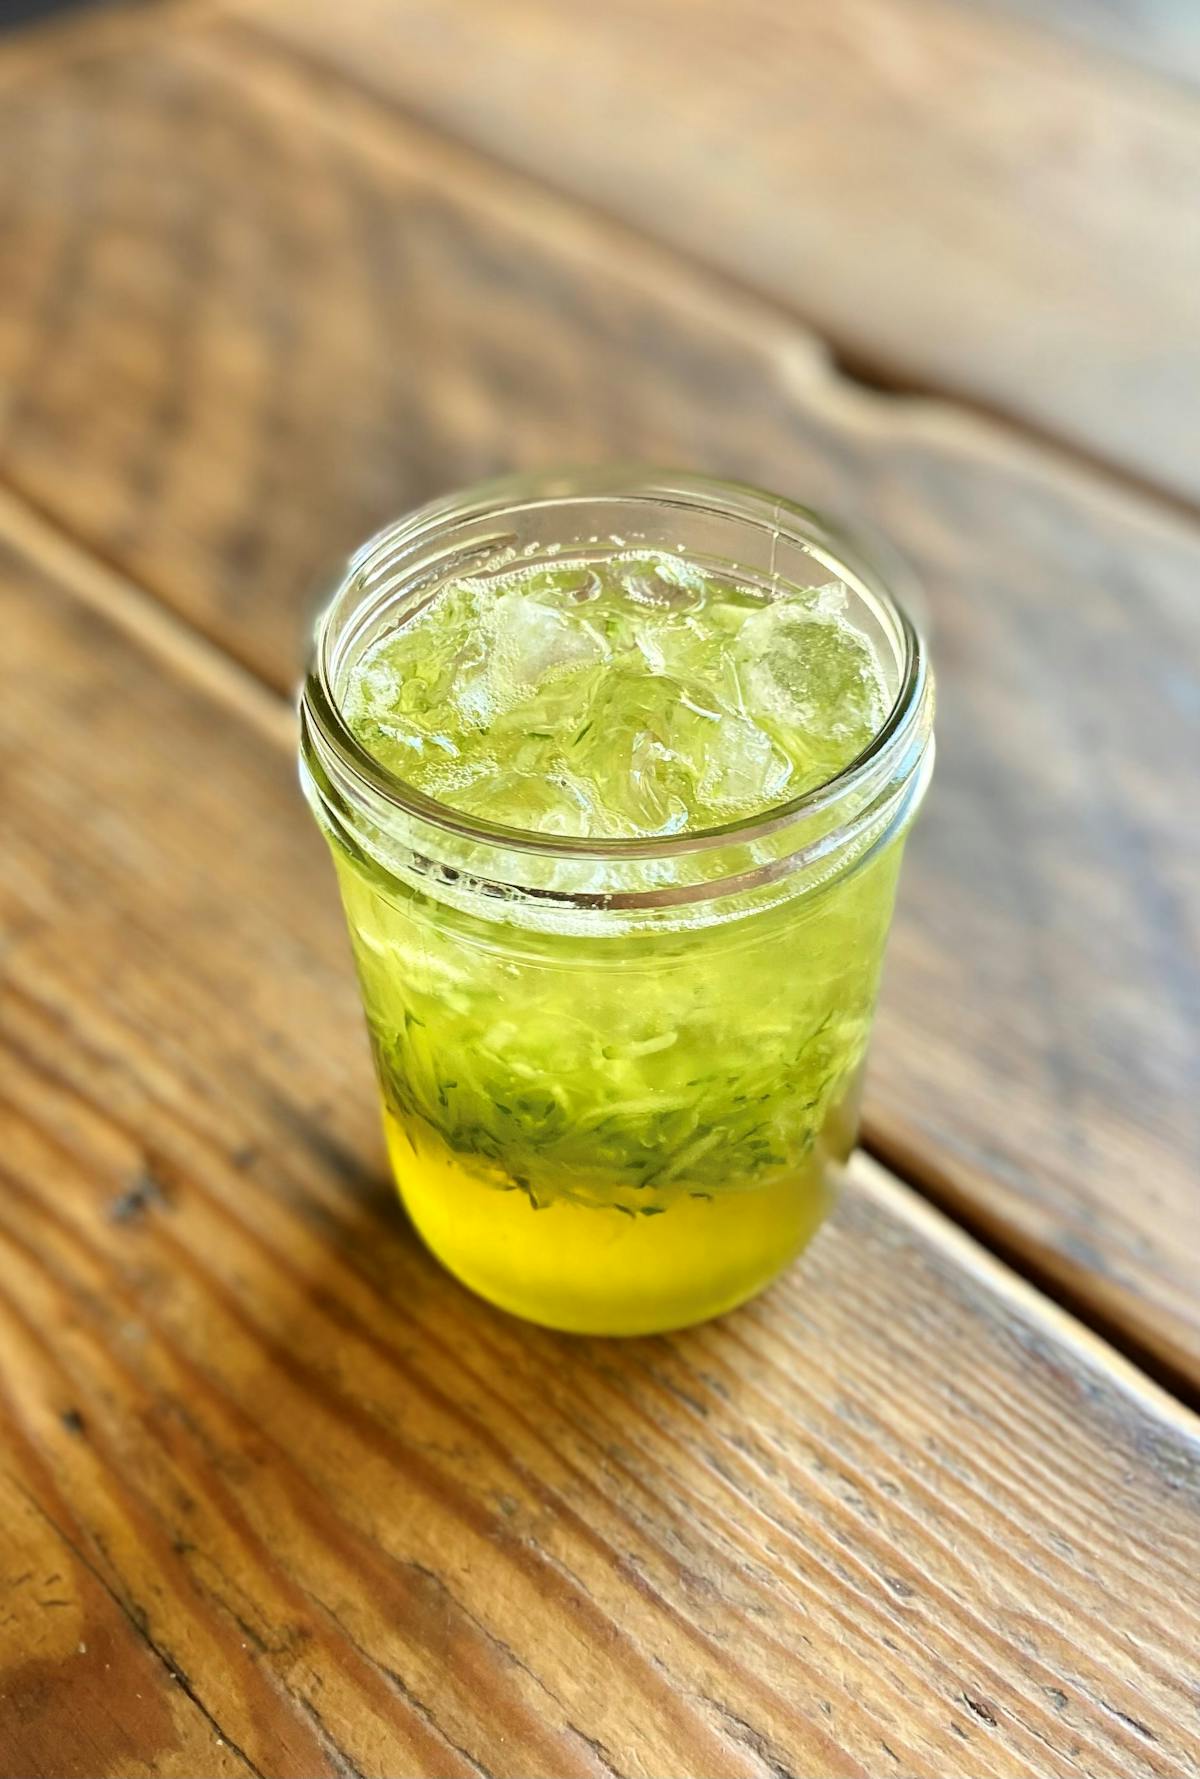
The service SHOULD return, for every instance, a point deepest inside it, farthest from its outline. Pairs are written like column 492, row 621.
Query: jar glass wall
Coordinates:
column 620, row 1078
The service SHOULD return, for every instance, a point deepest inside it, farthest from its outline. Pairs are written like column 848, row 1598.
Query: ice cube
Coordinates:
column 535, row 642
column 812, row 671
column 574, row 583
column 663, row 587
column 742, row 769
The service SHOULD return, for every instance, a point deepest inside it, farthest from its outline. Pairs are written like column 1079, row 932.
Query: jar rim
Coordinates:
column 657, row 487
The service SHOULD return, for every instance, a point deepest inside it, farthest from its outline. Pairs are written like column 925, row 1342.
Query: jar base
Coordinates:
column 597, row 1269
column 626, row 1325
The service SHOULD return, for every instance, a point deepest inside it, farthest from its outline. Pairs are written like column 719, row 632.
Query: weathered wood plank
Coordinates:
column 901, row 1515
column 247, row 321
column 957, row 198
column 83, row 1690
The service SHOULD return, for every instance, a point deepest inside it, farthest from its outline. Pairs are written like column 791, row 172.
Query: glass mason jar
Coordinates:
column 620, row 1079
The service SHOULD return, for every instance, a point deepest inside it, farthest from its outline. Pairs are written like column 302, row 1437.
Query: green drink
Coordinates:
column 618, row 874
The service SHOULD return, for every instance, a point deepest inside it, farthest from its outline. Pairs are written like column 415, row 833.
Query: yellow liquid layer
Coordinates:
column 590, row 1269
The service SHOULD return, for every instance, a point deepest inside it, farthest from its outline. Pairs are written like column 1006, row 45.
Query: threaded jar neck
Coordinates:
column 691, row 878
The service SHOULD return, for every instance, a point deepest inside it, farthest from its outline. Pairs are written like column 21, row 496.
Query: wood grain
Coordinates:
column 956, row 198
column 899, row 1516
column 83, row 1689
column 249, row 318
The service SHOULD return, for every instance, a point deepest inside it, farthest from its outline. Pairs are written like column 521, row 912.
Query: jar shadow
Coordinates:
column 424, row 1395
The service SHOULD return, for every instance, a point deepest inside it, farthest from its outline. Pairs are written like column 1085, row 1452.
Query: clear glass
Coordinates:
column 620, row 1079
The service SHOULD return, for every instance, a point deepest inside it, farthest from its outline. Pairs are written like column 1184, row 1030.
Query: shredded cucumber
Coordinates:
column 637, row 696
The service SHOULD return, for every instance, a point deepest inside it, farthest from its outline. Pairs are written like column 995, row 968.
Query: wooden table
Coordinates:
column 276, row 1497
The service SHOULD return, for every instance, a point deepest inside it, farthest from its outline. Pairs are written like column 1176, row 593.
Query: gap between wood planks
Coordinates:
column 922, row 1174
column 186, row 645
column 848, row 360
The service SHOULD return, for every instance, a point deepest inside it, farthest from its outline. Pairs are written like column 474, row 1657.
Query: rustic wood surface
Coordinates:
column 952, row 195
column 276, row 1496
column 185, row 223
column 83, row 1690
column 303, row 1494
